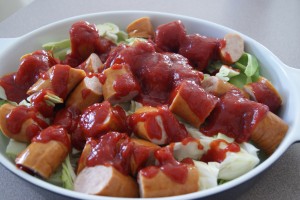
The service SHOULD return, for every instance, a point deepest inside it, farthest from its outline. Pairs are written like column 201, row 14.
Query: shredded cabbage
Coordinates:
column 68, row 175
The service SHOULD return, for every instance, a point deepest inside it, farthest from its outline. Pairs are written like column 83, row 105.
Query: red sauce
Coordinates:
column 59, row 79
column 222, row 44
column 32, row 66
column 188, row 161
column 30, row 70
column 124, row 84
column 84, row 41
column 174, row 130
column 112, row 149
column 56, row 133
column 199, row 101
column 265, row 95
column 200, row 50
column 101, row 77
column 141, row 155
column 93, row 120
column 149, row 172
column 68, row 118
column 156, row 73
column 19, row 115
column 13, row 91
column 168, row 36
column 235, row 117
column 85, row 93
column 176, row 171
column 38, row 101
column 218, row 154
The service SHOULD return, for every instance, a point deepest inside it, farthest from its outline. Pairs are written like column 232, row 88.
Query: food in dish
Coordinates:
column 160, row 113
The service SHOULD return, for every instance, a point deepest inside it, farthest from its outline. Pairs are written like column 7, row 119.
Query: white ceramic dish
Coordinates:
column 285, row 79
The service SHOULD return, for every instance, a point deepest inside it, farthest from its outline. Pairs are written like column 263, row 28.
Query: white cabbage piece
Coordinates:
column 208, row 174
column 194, row 132
column 249, row 148
column 2, row 93
column 188, row 150
column 236, row 164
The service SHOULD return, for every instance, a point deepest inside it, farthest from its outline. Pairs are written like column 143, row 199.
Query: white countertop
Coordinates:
column 273, row 23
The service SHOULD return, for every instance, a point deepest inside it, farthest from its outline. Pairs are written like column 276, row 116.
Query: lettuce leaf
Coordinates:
column 59, row 48
column 68, row 175
column 249, row 67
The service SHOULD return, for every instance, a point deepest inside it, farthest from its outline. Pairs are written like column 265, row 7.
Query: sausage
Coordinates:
column 105, row 118
column 106, row 181
column 84, row 156
column 140, row 129
column 143, row 155
column 192, row 103
column 88, row 92
column 32, row 123
column 120, row 84
column 141, row 27
column 157, row 125
column 61, row 79
column 218, row 87
column 269, row 133
column 160, row 184
column 264, row 92
column 92, row 64
column 231, row 48
column 42, row 158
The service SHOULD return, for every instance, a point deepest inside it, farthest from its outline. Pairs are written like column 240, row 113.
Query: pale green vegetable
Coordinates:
column 214, row 66
column 131, row 41
column 249, row 67
column 14, row 148
column 2, row 94
column 225, row 73
column 56, row 178
column 111, row 32
column 68, row 175
column 59, row 48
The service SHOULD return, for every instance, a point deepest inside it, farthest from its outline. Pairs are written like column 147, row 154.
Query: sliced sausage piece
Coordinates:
column 169, row 35
column 61, row 79
column 192, row 103
column 231, row 48
column 42, row 158
column 84, row 156
column 46, row 152
column 106, row 181
column 88, row 92
column 100, row 118
column 157, row 125
column 264, row 92
column 20, row 122
column 120, row 84
column 141, row 27
column 269, row 133
column 200, row 50
column 153, row 182
column 143, row 155
column 92, row 64
column 218, row 87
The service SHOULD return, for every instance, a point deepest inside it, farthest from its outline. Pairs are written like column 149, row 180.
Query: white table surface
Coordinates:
column 273, row 23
